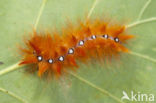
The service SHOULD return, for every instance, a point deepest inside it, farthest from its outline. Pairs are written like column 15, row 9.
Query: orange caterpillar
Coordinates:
column 54, row 54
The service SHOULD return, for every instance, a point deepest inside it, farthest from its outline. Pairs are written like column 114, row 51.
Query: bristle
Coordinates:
column 54, row 53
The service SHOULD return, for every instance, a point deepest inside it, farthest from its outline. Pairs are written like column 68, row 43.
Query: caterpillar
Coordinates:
column 55, row 52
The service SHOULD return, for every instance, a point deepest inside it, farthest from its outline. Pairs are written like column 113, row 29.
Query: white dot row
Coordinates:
column 80, row 43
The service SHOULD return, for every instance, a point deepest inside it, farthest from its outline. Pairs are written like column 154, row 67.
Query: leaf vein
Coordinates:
column 96, row 87
column 152, row 19
column 142, row 11
column 40, row 13
column 13, row 95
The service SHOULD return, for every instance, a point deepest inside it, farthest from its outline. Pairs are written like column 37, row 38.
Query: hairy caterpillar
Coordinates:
column 54, row 54
column 133, row 73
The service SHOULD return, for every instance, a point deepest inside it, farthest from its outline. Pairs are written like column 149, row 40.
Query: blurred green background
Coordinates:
column 130, row 73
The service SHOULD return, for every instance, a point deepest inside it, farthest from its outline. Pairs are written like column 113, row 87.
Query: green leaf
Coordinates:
column 93, row 83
